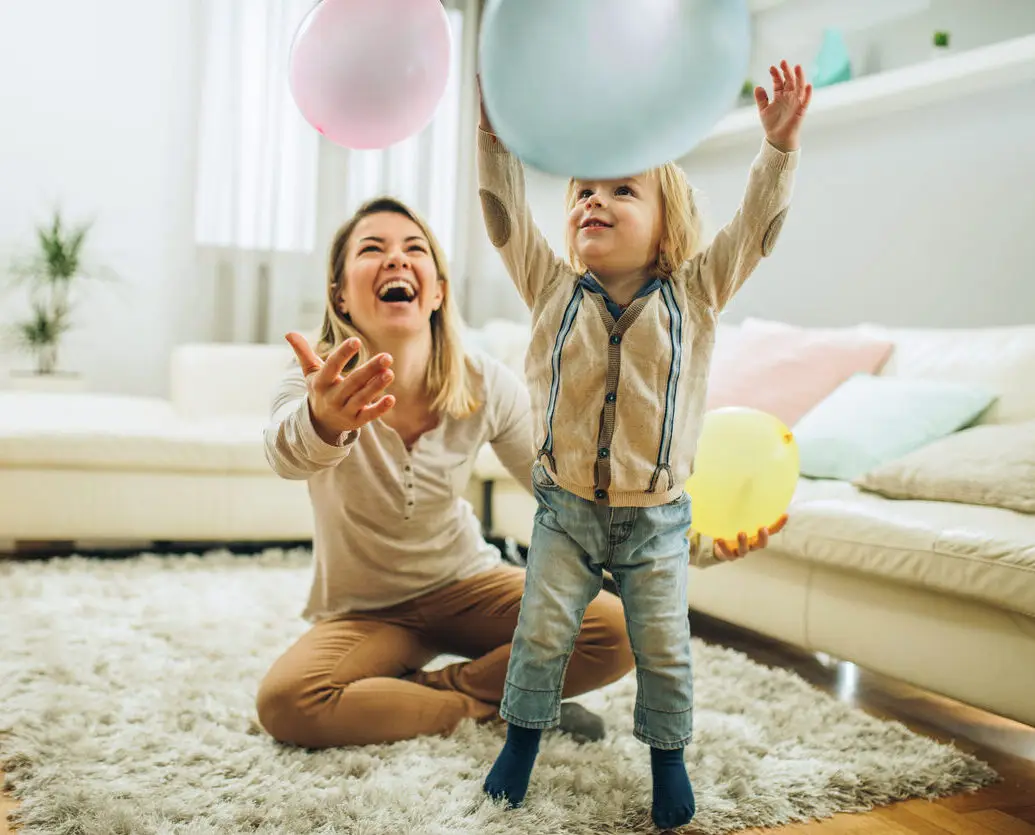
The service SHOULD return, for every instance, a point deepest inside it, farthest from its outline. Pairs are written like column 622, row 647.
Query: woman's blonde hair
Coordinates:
column 449, row 380
column 681, row 222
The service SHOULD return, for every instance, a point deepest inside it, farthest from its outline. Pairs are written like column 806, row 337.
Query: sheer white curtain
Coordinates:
column 257, row 174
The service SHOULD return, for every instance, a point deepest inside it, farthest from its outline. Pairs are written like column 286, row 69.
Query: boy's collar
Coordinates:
column 591, row 283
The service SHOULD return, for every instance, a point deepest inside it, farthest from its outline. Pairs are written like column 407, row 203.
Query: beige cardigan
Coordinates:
column 617, row 405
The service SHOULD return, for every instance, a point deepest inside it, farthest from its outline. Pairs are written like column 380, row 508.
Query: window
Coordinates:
column 257, row 157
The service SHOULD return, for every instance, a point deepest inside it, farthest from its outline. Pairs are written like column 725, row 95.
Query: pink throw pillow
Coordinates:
column 786, row 370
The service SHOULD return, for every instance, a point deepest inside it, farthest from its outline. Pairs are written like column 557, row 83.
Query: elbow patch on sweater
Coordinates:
column 772, row 233
column 497, row 221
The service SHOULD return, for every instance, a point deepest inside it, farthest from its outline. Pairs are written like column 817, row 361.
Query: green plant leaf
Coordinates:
column 49, row 274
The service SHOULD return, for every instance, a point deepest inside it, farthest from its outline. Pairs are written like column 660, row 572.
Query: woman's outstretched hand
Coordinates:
column 744, row 544
column 340, row 403
column 783, row 114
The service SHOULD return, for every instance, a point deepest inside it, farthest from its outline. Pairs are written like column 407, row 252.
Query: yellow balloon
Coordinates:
column 745, row 473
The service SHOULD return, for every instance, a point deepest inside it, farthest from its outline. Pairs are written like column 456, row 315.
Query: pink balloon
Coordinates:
column 370, row 73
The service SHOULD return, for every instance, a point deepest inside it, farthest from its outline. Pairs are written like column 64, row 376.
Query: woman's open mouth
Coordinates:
column 397, row 290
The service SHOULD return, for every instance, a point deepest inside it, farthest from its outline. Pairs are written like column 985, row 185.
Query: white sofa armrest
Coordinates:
column 218, row 380
column 488, row 467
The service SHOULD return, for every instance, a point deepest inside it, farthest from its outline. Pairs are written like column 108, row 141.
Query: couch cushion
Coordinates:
column 502, row 340
column 113, row 432
column 786, row 370
column 227, row 380
column 870, row 420
column 1000, row 360
column 990, row 465
column 488, row 467
column 982, row 553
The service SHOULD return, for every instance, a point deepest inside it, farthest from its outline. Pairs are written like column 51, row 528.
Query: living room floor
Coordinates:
column 1006, row 808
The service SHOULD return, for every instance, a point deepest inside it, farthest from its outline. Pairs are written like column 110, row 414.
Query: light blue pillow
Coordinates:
column 868, row 421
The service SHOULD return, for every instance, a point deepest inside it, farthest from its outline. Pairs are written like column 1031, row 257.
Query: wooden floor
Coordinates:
column 1006, row 808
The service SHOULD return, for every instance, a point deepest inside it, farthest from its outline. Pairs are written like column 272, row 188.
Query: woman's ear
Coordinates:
column 440, row 294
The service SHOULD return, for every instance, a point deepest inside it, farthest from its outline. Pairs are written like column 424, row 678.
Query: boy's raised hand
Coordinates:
column 340, row 403
column 783, row 114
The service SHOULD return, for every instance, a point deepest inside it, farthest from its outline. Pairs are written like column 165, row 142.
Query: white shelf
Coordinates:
column 951, row 76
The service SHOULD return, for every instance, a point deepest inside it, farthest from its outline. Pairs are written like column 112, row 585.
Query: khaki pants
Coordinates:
column 357, row 679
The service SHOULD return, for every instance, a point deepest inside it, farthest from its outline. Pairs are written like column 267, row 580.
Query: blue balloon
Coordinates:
column 600, row 89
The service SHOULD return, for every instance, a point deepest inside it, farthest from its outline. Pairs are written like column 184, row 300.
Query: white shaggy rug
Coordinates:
column 126, row 706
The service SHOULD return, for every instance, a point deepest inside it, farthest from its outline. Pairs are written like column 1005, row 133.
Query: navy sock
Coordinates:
column 673, row 795
column 509, row 775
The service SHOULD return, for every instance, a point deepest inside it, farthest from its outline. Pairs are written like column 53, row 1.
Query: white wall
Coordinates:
column 924, row 218
column 98, row 102
column 917, row 218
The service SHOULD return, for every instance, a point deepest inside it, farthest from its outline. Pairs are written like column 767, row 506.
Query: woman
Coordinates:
column 402, row 572
column 384, row 420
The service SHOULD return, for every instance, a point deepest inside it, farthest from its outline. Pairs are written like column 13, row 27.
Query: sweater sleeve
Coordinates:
column 293, row 447
column 527, row 255
column 511, row 432
column 702, row 551
column 721, row 269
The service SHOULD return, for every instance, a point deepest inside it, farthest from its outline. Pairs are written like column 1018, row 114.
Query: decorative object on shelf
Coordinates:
column 52, row 273
column 832, row 65
column 996, row 66
column 940, row 44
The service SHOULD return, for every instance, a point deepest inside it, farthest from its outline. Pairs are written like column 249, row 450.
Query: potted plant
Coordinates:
column 940, row 44
column 52, row 275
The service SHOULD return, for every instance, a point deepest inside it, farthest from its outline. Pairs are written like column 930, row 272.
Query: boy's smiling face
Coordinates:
column 615, row 226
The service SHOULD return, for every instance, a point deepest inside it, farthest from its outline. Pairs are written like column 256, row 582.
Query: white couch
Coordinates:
column 938, row 594
column 102, row 471
column 107, row 468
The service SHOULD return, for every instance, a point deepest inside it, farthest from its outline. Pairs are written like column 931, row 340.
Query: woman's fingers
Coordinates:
column 374, row 410
column 336, row 362
column 369, row 392
column 307, row 359
column 360, row 376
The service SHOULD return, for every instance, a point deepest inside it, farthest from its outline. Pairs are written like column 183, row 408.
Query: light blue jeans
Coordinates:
column 647, row 552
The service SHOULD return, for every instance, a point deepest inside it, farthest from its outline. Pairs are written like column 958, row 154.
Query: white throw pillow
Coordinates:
column 991, row 465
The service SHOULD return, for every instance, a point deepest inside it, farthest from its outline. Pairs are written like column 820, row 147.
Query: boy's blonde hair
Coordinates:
column 449, row 378
column 681, row 222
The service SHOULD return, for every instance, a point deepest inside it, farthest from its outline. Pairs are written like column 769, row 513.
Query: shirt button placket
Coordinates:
column 408, row 483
